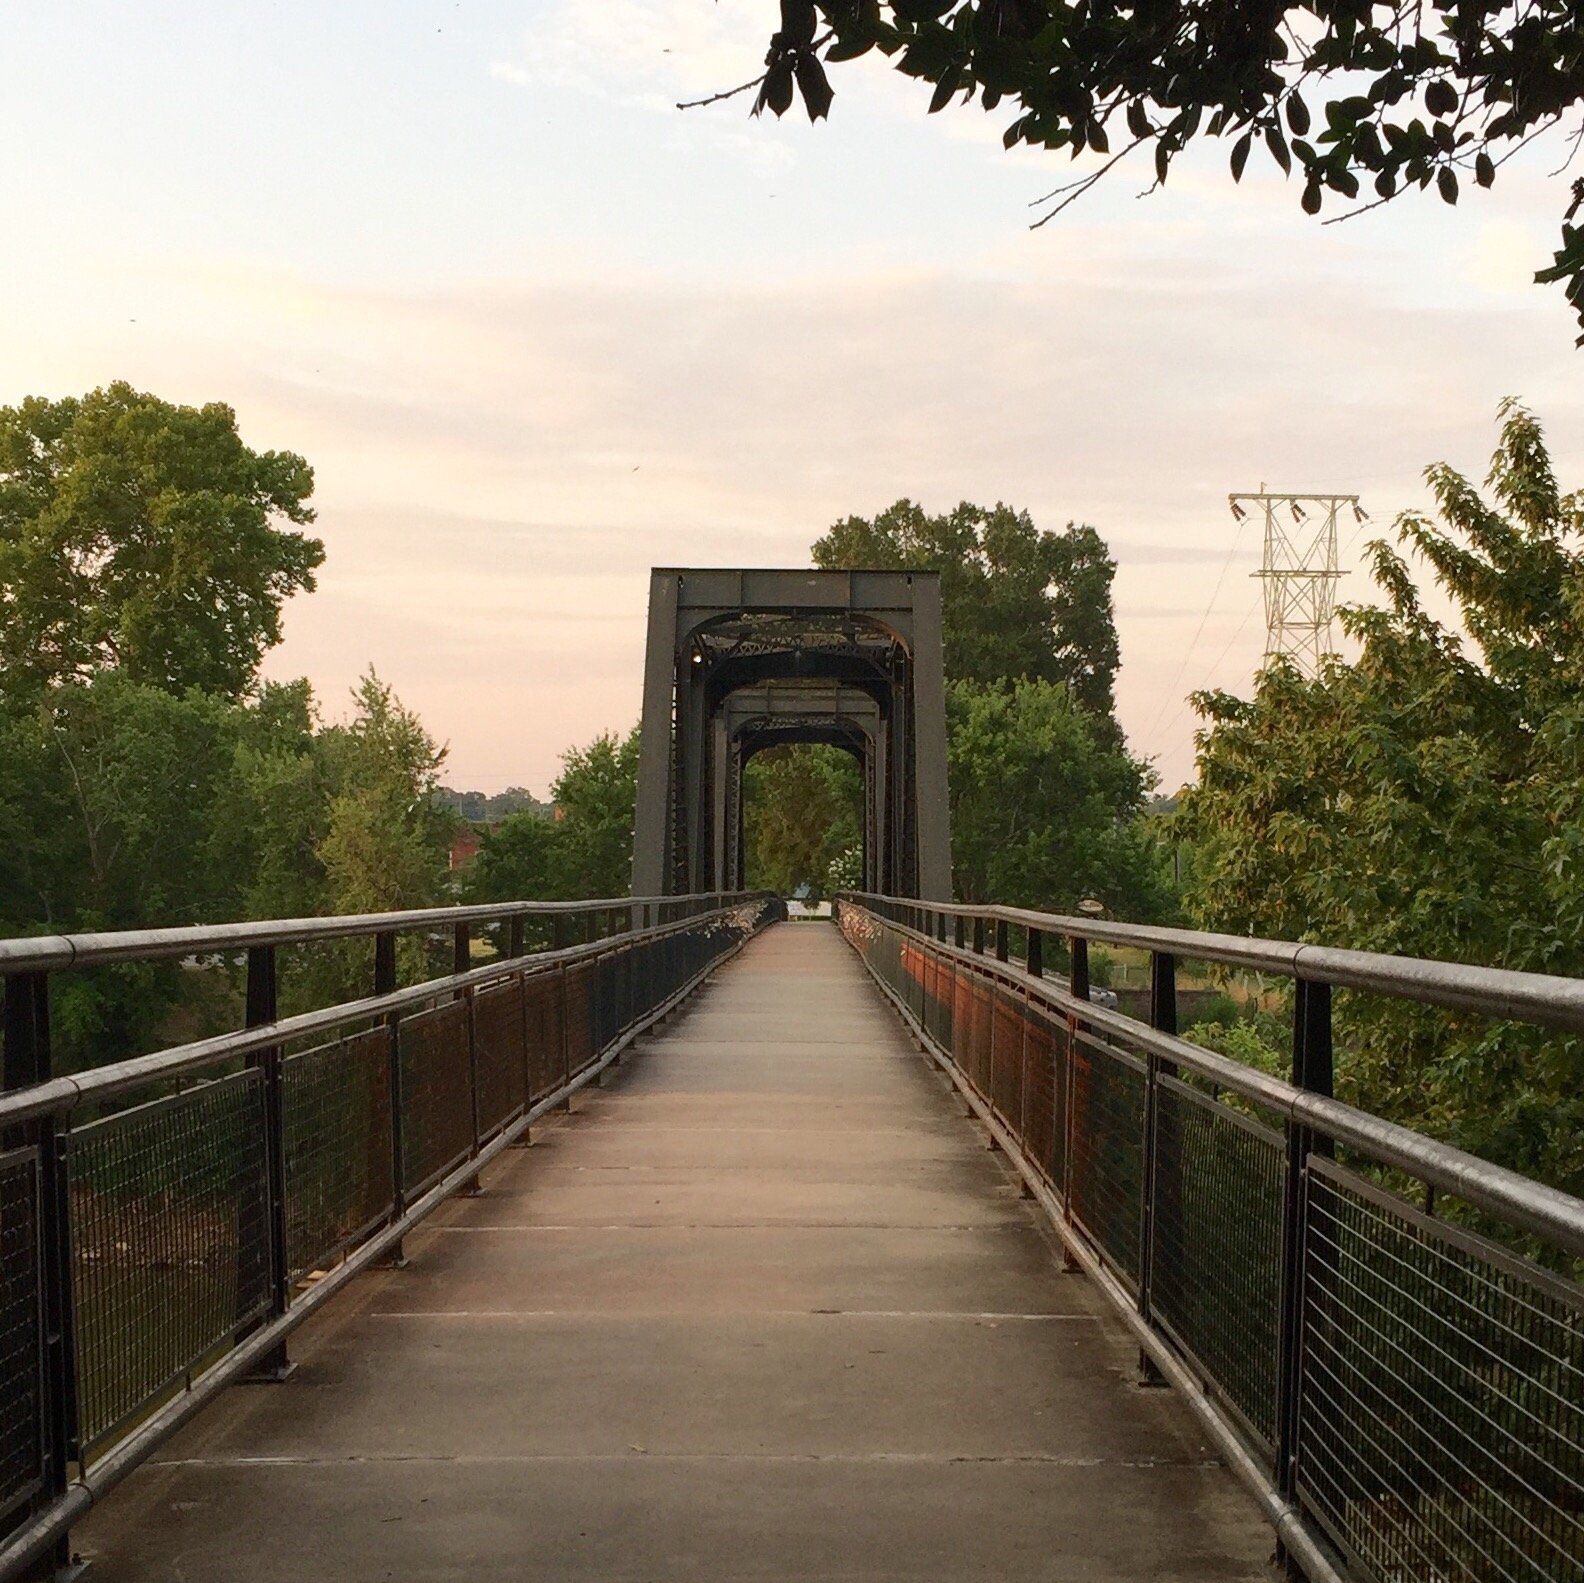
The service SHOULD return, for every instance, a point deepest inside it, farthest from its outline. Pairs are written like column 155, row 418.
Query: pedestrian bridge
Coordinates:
column 672, row 1240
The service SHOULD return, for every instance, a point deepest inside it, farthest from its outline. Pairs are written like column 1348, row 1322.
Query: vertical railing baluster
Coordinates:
column 978, row 936
column 1314, row 1072
column 1002, row 942
column 1035, row 960
column 261, row 1009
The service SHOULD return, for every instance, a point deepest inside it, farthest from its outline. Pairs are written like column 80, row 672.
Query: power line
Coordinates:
column 1182, row 664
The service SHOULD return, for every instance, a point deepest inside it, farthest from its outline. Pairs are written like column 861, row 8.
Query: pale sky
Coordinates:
column 537, row 331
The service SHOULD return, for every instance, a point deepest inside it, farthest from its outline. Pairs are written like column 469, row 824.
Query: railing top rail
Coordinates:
column 49, row 953
column 1544, row 998
column 101, row 1082
column 1528, row 1204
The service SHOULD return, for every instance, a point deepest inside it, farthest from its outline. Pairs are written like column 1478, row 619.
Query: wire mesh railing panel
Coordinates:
column 542, row 1019
column 1216, row 1247
column 21, row 1331
column 605, row 1020
column 436, row 1097
column 578, row 1012
column 499, row 1030
column 962, row 1045
column 1107, row 1172
column 1006, row 1058
column 977, row 1066
column 170, row 1242
column 945, row 990
column 1044, row 1083
column 1442, row 1428
column 336, row 1129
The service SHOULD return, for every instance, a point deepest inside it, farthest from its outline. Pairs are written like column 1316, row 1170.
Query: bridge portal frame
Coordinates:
column 710, row 705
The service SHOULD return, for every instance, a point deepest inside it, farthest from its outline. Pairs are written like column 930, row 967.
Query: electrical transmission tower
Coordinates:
column 1299, row 572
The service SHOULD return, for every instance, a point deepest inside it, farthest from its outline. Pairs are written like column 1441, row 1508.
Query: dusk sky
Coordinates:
column 537, row 331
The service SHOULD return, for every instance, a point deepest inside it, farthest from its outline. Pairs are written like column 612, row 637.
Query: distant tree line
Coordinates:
column 480, row 808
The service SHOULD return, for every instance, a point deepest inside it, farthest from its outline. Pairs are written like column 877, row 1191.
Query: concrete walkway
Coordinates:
column 765, row 1307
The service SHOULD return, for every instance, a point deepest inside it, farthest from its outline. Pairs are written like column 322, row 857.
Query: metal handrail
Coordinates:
column 52, row 952
column 493, row 1066
column 1297, row 1299
column 102, row 1082
column 1546, row 1211
column 1547, row 999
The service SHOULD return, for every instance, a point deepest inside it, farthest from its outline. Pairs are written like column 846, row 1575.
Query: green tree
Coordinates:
column 387, row 833
column 116, row 802
column 802, row 811
column 515, row 861
column 141, row 536
column 126, row 806
column 1045, row 808
column 1428, row 799
column 1346, row 92
column 595, row 797
column 1016, row 600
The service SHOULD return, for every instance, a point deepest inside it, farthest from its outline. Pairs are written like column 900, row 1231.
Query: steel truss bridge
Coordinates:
column 868, row 1248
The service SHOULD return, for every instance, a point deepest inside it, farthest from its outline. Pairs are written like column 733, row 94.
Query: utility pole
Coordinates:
column 1299, row 571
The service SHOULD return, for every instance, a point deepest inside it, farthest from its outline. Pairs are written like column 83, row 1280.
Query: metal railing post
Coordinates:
column 27, row 1061
column 1314, row 1072
column 1035, row 960
column 514, row 936
column 60, row 1346
column 566, row 1035
column 470, row 1025
column 27, row 1046
column 384, row 984
column 263, row 1008
column 1078, row 984
column 957, row 934
column 1001, row 941
column 1078, row 973
column 1163, row 1016
column 978, row 936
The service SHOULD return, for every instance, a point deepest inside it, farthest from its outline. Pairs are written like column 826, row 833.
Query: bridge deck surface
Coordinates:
column 763, row 1308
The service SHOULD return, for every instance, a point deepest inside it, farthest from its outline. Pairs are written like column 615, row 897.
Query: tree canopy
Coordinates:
column 802, row 815
column 1045, row 805
column 1347, row 94
column 1017, row 600
column 142, row 536
column 1428, row 799
column 583, row 848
